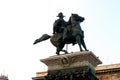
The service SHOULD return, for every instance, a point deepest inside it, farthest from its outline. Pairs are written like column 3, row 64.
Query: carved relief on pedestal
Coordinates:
column 65, row 61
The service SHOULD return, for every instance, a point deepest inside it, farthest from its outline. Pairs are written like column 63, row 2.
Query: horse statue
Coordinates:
column 75, row 35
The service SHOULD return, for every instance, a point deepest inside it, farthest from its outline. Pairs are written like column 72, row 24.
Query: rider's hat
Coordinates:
column 60, row 14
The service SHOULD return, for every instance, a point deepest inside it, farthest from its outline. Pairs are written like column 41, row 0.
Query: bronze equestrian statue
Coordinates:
column 66, row 33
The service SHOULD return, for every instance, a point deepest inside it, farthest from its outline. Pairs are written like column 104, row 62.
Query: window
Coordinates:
column 101, row 78
column 113, row 77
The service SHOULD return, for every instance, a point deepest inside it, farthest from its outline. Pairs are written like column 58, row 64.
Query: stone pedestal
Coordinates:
column 71, row 60
column 72, row 66
column 77, row 63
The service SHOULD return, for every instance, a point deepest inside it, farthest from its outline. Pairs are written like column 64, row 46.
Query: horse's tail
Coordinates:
column 42, row 38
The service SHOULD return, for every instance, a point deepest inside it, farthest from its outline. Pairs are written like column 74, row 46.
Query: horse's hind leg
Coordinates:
column 65, row 51
column 60, row 48
column 58, row 51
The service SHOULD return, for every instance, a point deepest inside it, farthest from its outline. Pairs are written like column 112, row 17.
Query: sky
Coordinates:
column 23, row 21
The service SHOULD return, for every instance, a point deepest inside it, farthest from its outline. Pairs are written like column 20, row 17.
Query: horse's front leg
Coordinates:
column 78, row 39
column 83, row 43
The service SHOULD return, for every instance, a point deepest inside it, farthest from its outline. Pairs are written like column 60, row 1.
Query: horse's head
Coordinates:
column 76, row 17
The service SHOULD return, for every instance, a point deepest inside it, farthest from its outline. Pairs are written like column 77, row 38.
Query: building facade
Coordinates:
column 104, row 72
column 40, row 75
column 108, row 72
column 3, row 77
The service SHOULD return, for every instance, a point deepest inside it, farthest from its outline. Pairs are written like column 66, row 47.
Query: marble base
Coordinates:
column 71, row 60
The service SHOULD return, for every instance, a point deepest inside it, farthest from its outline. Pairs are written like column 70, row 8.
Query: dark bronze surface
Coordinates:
column 66, row 33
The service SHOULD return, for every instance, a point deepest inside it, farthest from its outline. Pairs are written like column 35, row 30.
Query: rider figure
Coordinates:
column 60, row 25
